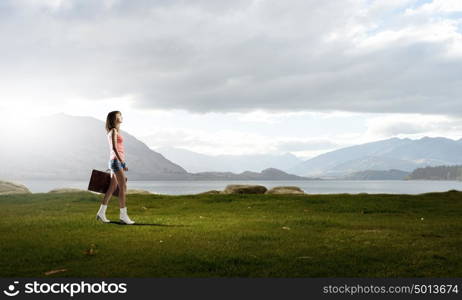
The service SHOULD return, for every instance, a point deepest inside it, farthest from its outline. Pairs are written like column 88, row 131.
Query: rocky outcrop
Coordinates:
column 244, row 189
column 255, row 189
column 285, row 190
column 7, row 188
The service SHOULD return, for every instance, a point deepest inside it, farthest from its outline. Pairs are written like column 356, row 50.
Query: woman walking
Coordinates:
column 118, row 166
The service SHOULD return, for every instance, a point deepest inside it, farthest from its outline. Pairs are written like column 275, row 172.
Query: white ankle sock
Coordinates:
column 124, row 217
column 123, row 211
column 102, row 209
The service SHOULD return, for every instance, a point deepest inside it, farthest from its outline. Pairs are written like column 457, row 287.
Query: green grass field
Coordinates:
column 337, row 235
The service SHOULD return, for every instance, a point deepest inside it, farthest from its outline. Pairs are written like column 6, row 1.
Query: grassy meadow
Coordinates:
column 336, row 235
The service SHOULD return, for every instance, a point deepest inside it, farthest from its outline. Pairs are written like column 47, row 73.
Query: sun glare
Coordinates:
column 19, row 123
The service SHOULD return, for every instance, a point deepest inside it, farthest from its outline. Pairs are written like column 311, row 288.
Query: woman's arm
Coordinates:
column 114, row 143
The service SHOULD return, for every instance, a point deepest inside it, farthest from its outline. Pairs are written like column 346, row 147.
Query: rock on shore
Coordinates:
column 285, row 190
column 244, row 189
column 7, row 188
column 211, row 192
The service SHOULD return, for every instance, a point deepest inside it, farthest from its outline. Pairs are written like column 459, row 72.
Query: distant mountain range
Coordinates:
column 393, row 158
column 69, row 147
column 196, row 162
column 395, row 153
column 267, row 174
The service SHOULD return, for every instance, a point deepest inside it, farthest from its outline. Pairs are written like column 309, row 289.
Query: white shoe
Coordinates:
column 124, row 217
column 126, row 220
column 102, row 218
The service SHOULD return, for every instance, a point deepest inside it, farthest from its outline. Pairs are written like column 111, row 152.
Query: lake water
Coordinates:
column 182, row 187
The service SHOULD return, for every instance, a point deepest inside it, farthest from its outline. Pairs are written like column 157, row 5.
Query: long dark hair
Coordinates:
column 110, row 120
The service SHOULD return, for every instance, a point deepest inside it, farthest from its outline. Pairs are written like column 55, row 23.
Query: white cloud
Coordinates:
column 234, row 56
column 263, row 76
column 212, row 143
column 298, row 144
column 436, row 6
column 261, row 116
column 233, row 142
column 413, row 126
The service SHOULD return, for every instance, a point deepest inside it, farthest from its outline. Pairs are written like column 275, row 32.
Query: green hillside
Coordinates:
column 437, row 173
column 338, row 235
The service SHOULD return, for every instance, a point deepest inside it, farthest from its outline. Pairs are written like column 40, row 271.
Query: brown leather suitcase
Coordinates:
column 100, row 181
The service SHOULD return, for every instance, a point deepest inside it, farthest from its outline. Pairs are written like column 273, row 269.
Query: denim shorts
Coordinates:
column 115, row 165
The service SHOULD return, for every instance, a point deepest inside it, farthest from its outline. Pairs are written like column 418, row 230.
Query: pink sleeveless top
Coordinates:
column 119, row 146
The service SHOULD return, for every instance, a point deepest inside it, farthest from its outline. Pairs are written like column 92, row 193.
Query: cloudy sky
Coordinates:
column 242, row 76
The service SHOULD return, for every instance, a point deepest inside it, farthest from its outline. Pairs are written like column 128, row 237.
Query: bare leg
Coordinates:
column 122, row 187
column 110, row 190
column 121, row 179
